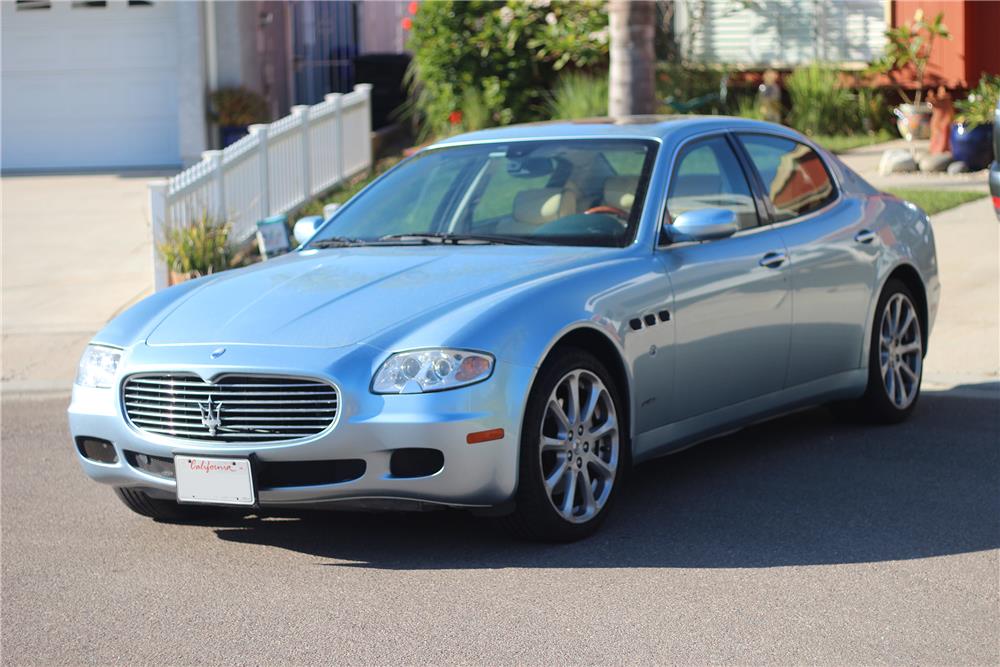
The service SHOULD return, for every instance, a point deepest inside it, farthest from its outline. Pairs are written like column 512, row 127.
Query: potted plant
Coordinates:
column 907, row 52
column 234, row 109
column 197, row 249
column 971, row 136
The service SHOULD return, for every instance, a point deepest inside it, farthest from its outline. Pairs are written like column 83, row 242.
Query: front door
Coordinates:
column 732, row 302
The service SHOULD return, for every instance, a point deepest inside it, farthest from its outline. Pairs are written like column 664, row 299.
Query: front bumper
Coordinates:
column 370, row 427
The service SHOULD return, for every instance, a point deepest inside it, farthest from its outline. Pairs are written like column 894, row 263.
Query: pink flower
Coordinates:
column 455, row 117
column 412, row 7
column 407, row 23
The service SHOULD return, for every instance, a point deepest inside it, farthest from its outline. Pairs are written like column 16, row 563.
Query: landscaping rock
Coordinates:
column 937, row 162
column 957, row 167
column 896, row 161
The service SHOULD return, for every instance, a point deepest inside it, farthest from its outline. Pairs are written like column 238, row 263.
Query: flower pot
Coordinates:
column 176, row 278
column 230, row 134
column 913, row 122
column 972, row 145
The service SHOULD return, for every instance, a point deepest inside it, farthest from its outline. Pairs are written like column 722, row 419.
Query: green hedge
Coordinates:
column 498, row 57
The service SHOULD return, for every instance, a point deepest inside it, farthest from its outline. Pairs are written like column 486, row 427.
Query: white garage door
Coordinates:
column 89, row 84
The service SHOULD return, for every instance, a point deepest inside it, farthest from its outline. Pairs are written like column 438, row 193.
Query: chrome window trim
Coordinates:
column 705, row 134
column 171, row 440
column 764, row 225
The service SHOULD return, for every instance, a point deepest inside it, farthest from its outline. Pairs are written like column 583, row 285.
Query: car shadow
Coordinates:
column 802, row 490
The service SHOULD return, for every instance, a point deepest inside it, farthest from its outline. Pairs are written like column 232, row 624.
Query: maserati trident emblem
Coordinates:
column 209, row 418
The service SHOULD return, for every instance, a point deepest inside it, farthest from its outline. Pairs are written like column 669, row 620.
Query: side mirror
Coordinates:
column 703, row 224
column 306, row 227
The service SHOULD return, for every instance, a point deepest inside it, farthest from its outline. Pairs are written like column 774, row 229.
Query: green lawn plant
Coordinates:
column 579, row 95
column 197, row 249
column 978, row 107
column 908, row 52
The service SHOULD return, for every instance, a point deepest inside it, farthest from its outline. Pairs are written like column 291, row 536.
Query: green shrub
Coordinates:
column 508, row 53
column 197, row 249
column 872, row 110
column 747, row 106
column 819, row 104
column 977, row 108
column 579, row 95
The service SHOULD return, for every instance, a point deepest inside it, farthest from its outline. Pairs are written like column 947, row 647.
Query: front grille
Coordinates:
column 233, row 408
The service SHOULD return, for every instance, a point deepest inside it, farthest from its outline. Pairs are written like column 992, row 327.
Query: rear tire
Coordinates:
column 162, row 510
column 895, row 358
column 573, row 453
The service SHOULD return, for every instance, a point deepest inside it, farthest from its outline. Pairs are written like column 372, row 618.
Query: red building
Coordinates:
column 974, row 47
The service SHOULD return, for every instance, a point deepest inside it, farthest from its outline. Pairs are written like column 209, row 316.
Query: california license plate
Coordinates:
column 214, row 481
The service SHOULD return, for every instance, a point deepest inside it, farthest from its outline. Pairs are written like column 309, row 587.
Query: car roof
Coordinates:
column 635, row 127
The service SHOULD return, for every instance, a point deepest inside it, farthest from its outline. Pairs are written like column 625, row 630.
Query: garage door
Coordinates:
column 89, row 84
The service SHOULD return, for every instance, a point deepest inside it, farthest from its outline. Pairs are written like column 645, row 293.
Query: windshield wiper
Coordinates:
column 443, row 237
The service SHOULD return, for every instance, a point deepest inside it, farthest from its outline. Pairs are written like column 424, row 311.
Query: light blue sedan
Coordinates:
column 510, row 319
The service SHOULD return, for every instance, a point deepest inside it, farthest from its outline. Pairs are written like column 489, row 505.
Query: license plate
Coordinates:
column 213, row 481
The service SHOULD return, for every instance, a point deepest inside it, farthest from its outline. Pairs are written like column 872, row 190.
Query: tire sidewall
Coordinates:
column 532, row 499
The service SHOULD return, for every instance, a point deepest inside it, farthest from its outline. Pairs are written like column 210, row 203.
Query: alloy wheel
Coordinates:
column 900, row 350
column 579, row 446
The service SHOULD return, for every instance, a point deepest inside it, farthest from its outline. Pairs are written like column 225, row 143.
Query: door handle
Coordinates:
column 773, row 260
column 865, row 236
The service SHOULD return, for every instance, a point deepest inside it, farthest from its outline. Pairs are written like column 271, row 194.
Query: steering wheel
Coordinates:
column 613, row 210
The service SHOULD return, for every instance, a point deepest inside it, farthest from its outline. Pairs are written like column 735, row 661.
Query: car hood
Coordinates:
column 343, row 296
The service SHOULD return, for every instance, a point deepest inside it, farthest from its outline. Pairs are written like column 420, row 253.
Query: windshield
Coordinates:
column 566, row 192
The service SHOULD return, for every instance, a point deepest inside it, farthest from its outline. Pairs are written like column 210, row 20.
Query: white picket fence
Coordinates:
column 273, row 170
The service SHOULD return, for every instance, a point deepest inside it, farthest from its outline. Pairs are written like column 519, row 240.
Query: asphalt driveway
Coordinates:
column 804, row 540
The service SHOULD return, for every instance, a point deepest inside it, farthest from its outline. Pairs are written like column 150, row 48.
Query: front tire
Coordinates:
column 162, row 510
column 895, row 359
column 574, row 450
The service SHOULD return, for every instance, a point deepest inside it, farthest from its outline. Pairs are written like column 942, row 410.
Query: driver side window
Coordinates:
column 708, row 175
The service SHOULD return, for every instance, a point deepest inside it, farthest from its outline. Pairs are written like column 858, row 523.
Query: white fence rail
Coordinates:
column 272, row 170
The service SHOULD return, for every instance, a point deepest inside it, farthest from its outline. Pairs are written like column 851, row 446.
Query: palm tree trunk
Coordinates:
column 631, row 85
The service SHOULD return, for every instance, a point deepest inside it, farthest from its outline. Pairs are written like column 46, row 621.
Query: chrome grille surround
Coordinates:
column 232, row 408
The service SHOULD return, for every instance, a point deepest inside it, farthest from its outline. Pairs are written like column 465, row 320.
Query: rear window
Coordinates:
column 794, row 176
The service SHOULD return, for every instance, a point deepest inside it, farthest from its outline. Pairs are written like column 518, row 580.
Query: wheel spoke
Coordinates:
column 573, row 402
column 557, row 411
column 900, row 389
column 604, row 469
column 589, row 503
column 907, row 322
column 905, row 367
column 549, row 444
column 596, row 393
column 558, row 475
column 570, row 496
column 609, row 426
column 909, row 347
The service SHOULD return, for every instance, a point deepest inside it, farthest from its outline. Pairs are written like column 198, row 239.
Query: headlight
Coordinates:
column 431, row 370
column 98, row 366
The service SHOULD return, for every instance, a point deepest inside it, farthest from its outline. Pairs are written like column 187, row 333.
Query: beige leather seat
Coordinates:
column 543, row 205
column 619, row 191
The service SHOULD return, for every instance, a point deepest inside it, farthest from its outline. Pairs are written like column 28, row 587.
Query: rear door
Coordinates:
column 732, row 307
column 832, row 255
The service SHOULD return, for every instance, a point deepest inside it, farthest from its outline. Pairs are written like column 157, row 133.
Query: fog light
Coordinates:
column 96, row 449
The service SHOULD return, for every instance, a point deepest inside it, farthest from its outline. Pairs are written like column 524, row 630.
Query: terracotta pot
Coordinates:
column 175, row 278
column 914, row 122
